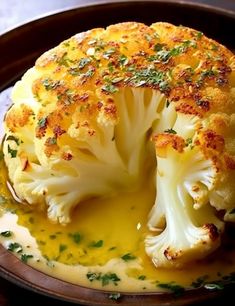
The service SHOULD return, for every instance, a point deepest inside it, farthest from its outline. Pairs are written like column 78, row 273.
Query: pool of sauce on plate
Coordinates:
column 102, row 229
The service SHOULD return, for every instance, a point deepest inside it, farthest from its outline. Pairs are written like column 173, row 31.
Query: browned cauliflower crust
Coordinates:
column 97, row 112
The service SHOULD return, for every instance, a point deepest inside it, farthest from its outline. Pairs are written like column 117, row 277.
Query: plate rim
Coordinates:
column 135, row 297
column 94, row 3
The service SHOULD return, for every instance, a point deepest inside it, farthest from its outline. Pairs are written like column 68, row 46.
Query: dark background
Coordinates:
column 12, row 13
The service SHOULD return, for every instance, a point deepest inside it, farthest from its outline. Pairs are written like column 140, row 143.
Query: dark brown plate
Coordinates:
column 21, row 46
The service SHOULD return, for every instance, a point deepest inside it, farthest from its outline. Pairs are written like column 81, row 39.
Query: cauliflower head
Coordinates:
column 109, row 107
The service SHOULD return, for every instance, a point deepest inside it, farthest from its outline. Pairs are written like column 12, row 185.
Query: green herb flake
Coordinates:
column 42, row 122
column 110, row 67
column 199, row 281
column 63, row 60
column 12, row 152
column 1, row 155
column 170, row 131
column 62, row 247
column 158, row 47
column 214, row 47
column 15, row 247
column 188, row 142
column 93, row 276
column 199, row 35
column 128, row 256
column 167, row 103
column 109, row 88
column 83, row 62
column 97, row 244
column 150, row 76
column 104, row 278
column 51, row 141
column 6, row 233
column 123, row 60
column 109, row 277
column 25, row 257
column 142, row 277
column 76, row 237
column 89, row 73
column 177, row 290
column 114, row 296
column 107, row 54
column 50, row 84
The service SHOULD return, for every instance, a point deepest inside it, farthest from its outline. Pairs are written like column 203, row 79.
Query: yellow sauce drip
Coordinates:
column 102, row 229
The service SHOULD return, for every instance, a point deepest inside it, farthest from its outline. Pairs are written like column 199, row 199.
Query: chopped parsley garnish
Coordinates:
column 114, row 296
column 89, row 73
column 104, row 278
column 142, row 277
column 188, row 142
column 167, row 103
column 15, row 247
column 51, row 141
column 110, row 67
column 123, row 60
column 1, row 155
column 163, row 54
column 97, row 244
column 214, row 47
column 25, row 257
column 107, row 54
column 207, row 73
column 12, row 152
column 64, row 60
column 170, row 131
column 83, row 62
column 62, row 247
column 109, row 88
column 174, row 288
column 6, row 234
column 76, row 237
column 158, row 47
column 128, row 257
column 199, row 35
column 199, row 281
column 93, row 276
column 149, row 76
column 50, row 84
column 42, row 122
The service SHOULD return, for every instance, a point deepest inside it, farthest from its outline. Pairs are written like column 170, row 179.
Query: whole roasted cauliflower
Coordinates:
column 108, row 108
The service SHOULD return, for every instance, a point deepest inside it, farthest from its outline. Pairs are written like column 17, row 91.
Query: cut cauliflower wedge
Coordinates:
column 109, row 108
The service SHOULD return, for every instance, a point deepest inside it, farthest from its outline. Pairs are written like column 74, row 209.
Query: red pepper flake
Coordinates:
column 58, row 131
column 67, row 156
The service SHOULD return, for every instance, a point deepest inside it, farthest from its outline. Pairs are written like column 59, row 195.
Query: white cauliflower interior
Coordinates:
column 108, row 109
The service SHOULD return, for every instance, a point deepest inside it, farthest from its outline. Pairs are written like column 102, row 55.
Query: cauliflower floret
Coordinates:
column 109, row 108
column 186, row 233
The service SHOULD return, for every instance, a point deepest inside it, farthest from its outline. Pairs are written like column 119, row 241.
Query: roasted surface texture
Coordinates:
column 101, row 102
